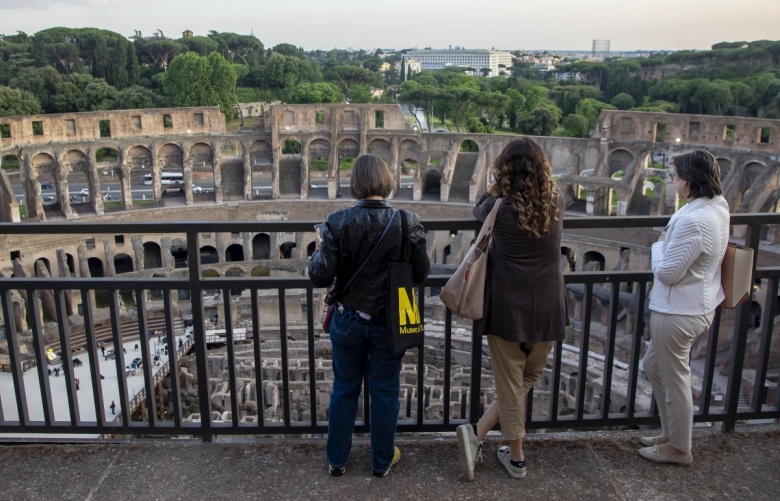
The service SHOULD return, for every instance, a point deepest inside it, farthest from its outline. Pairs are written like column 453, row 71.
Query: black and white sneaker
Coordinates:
column 336, row 472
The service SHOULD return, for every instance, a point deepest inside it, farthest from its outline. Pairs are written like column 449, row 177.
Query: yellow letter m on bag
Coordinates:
column 409, row 313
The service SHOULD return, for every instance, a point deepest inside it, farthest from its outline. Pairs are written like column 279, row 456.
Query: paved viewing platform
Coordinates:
column 567, row 466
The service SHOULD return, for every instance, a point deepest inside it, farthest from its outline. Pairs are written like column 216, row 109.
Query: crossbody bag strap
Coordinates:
column 395, row 211
column 405, row 244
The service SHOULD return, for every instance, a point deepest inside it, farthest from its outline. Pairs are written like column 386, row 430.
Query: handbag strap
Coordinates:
column 490, row 221
column 395, row 211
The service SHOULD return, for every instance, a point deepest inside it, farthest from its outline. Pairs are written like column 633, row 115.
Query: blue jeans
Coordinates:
column 361, row 345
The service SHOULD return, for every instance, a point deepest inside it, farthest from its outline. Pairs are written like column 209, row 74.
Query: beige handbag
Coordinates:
column 464, row 292
column 736, row 275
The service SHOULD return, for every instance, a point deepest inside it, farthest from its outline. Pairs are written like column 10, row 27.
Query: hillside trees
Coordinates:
column 193, row 80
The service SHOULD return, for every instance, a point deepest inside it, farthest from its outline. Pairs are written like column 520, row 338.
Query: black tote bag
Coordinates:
column 404, row 319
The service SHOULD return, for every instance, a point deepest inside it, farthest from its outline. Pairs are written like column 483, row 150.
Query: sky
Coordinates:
column 398, row 24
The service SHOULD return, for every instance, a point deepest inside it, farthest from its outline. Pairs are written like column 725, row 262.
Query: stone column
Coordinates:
column 364, row 112
column 422, row 162
column 221, row 245
column 83, row 271
column 95, row 189
column 395, row 166
column 218, row 193
column 165, row 253
column 333, row 161
column 108, row 249
column 138, row 252
column 249, row 188
column 156, row 176
column 248, row 250
column 305, row 170
column 276, row 150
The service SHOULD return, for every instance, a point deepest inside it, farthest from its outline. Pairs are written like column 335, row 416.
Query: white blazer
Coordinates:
column 686, row 265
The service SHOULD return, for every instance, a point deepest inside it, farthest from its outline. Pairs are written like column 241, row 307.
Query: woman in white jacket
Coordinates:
column 686, row 290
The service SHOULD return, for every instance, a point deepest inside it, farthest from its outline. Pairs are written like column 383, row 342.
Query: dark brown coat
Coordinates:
column 524, row 293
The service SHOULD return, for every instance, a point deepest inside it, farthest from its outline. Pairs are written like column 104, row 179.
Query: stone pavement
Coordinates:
column 573, row 466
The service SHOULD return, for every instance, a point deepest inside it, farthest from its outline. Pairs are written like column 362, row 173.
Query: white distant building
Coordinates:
column 431, row 59
column 412, row 66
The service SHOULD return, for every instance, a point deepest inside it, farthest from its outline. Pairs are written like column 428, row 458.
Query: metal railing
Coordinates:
column 581, row 418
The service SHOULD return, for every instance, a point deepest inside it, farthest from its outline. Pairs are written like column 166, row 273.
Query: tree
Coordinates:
column 289, row 50
column 541, row 122
column 98, row 95
column 590, row 109
column 193, row 80
column 321, row 92
column 712, row 96
column 202, row 45
column 576, row 125
column 14, row 102
column 347, row 76
column 161, row 51
column 135, row 97
column 623, row 101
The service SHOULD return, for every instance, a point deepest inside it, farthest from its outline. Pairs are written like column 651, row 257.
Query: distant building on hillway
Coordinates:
column 496, row 61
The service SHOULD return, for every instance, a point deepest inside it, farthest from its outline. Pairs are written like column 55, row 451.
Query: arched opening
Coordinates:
column 44, row 165
column 79, row 188
column 260, row 271
column 139, row 159
column 123, row 264
column 95, row 266
column 380, row 148
column 234, row 252
column 619, row 160
column 751, row 172
column 235, row 272
column 571, row 258
column 71, row 264
column 171, row 163
column 445, row 254
column 285, row 250
column 156, row 294
column 291, row 147
column 208, row 255
column 319, row 155
column 469, row 146
column 11, row 166
column 152, row 256
column 310, row 249
column 262, row 158
column 725, row 168
column 593, row 261
column 108, row 170
column 432, row 184
column 179, row 253
column 42, row 268
column 261, row 246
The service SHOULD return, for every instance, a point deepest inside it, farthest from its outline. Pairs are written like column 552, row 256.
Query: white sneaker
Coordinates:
column 514, row 471
column 469, row 450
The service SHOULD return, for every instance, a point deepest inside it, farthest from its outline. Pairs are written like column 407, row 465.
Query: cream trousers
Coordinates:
column 516, row 368
column 666, row 364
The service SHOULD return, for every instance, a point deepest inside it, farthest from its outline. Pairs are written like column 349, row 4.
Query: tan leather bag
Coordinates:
column 736, row 275
column 464, row 292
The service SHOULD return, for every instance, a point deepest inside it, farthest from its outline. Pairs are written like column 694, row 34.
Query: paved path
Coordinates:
column 585, row 466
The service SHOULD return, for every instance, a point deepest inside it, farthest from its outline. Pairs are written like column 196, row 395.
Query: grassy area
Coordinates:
column 347, row 163
column 233, row 125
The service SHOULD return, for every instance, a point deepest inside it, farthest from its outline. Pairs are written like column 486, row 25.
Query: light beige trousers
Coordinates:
column 667, row 366
column 516, row 368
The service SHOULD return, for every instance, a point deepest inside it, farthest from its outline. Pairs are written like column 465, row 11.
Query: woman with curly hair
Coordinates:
column 525, row 309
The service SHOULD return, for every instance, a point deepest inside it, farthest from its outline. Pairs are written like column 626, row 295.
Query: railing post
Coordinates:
column 199, row 334
column 739, row 341
column 476, row 372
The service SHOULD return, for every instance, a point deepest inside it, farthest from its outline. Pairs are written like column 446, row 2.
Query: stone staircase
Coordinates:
column 461, row 175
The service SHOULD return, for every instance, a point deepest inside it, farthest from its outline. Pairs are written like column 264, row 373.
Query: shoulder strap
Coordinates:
column 405, row 244
column 395, row 211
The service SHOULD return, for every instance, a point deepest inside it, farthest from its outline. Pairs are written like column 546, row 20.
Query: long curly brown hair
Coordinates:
column 523, row 172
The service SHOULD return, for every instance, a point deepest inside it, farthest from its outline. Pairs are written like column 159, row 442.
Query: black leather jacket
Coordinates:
column 348, row 239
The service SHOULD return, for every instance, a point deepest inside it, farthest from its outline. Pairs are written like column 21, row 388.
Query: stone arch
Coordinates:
column 261, row 153
column 593, row 257
column 44, row 169
column 432, row 183
column 77, row 168
column 750, row 173
column 310, row 249
column 260, row 271
column 152, row 255
column 285, row 250
column 41, row 262
column 170, row 157
column 291, row 146
column 96, row 268
column 469, row 145
column 107, row 160
column 408, row 156
column 138, row 157
column 75, row 161
column 261, row 246
column 10, row 163
column 446, row 252
column 619, row 159
column 123, row 263
column 201, row 155
column 234, row 252
column 262, row 158
column 319, row 154
column 348, row 148
column 725, row 168
column 179, row 253
column 209, row 255
column 382, row 149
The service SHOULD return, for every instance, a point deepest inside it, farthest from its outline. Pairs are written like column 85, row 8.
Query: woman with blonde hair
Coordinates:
column 525, row 309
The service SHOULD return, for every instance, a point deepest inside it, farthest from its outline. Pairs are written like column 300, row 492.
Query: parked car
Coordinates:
column 84, row 192
column 47, row 198
column 196, row 189
column 46, row 185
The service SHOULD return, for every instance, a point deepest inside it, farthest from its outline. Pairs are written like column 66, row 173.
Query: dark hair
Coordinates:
column 523, row 173
column 701, row 170
column 370, row 178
